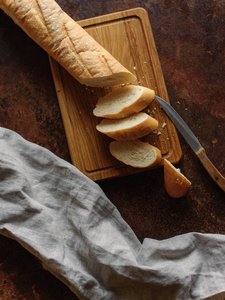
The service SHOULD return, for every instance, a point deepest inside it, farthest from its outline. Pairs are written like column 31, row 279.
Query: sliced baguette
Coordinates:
column 67, row 42
column 123, row 102
column 135, row 153
column 130, row 128
column 176, row 184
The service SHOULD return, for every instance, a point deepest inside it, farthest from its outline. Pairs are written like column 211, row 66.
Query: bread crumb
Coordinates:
column 134, row 68
column 164, row 125
column 159, row 133
column 178, row 102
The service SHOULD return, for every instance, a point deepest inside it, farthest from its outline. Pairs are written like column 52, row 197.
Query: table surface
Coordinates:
column 189, row 37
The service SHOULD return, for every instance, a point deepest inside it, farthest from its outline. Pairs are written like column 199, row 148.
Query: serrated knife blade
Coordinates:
column 193, row 142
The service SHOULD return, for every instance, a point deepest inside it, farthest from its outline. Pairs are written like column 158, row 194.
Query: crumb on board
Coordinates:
column 164, row 125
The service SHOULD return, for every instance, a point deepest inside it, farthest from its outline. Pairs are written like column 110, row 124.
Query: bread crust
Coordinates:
column 158, row 158
column 67, row 42
column 176, row 184
column 133, row 132
column 141, row 102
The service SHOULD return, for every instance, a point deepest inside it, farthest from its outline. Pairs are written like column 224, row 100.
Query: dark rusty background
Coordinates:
column 190, row 39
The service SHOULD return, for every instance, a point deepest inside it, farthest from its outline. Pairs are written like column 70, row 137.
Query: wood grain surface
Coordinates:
column 127, row 35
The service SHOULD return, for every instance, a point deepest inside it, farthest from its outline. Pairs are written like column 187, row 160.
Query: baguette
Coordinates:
column 130, row 128
column 136, row 153
column 123, row 102
column 176, row 184
column 67, row 42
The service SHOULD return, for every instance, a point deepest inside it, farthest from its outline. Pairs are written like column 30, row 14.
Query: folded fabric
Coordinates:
column 65, row 220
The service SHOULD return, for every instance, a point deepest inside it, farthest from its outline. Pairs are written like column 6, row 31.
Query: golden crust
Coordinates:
column 158, row 157
column 176, row 184
column 67, row 42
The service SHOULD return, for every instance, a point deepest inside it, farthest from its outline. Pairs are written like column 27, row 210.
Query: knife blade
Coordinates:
column 193, row 142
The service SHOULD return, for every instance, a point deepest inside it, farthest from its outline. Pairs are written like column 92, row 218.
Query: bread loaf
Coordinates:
column 130, row 128
column 176, row 184
column 123, row 102
column 136, row 153
column 67, row 42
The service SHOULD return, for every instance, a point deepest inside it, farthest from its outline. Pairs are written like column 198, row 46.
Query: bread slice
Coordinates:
column 176, row 184
column 67, row 42
column 123, row 102
column 130, row 128
column 136, row 153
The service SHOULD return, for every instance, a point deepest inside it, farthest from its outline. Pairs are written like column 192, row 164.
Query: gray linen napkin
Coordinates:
column 66, row 221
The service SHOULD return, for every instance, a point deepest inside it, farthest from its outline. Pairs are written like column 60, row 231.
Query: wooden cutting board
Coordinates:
column 127, row 35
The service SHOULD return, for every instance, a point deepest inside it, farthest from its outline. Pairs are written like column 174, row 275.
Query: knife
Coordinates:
column 193, row 142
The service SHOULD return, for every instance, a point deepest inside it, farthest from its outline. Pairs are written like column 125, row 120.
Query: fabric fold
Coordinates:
column 65, row 220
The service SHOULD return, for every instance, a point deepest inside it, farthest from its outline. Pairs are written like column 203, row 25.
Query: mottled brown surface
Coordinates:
column 190, row 38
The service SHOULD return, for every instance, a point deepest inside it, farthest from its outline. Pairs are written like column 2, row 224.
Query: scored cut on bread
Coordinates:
column 176, row 184
column 123, row 102
column 129, row 128
column 135, row 153
column 67, row 42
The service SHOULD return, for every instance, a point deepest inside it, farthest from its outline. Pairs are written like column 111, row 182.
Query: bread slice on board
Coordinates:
column 136, row 153
column 67, row 42
column 176, row 184
column 123, row 102
column 129, row 128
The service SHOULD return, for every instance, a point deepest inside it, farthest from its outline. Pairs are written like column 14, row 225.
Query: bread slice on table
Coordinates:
column 67, row 42
column 136, row 153
column 176, row 184
column 130, row 128
column 123, row 102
